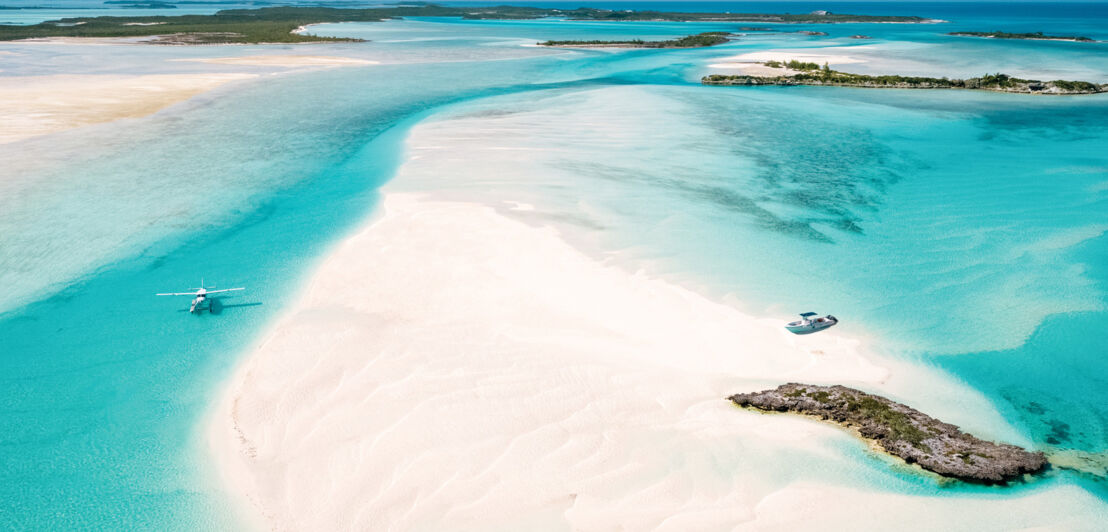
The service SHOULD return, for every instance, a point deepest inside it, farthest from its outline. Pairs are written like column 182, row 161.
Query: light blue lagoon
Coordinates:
column 960, row 230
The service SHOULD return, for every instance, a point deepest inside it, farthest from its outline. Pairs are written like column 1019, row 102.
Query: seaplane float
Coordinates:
column 808, row 323
column 201, row 296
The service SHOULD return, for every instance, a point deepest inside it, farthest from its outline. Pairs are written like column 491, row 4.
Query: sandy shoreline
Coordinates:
column 450, row 368
column 751, row 63
column 282, row 60
column 40, row 105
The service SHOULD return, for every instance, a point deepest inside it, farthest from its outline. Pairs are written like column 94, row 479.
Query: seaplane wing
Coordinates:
column 177, row 294
column 224, row 290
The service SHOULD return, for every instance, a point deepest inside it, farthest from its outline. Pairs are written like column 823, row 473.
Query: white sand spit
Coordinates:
column 283, row 60
column 756, row 69
column 449, row 368
column 748, row 62
column 39, row 105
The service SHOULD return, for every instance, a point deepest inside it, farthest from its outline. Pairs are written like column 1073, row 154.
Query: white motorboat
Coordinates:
column 809, row 324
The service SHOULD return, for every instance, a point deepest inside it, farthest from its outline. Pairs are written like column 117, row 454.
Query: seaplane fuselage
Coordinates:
column 200, row 296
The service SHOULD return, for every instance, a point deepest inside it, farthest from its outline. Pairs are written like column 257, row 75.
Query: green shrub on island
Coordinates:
column 275, row 24
column 902, row 431
column 696, row 41
column 632, row 42
column 898, row 424
column 691, row 41
column 1076, row 86
column 800, row 65
column 267, row 25
column 1034, row 36
column 629, row 15
column 793, row 64
column 833, row 76
column 996, row 82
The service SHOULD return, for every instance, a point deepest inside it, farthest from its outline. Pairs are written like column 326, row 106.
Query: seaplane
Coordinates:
column 200, row 295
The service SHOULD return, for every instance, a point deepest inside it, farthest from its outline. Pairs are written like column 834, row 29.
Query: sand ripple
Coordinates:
column 450, row 368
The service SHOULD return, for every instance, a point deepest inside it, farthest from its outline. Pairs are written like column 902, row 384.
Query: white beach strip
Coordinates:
column 831, row 56
column 39, row 105
column 300, row 30
column 449, row 368
column 756, row 69
column 283, row 60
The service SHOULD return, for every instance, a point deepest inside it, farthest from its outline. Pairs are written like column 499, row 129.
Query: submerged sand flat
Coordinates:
column 749, row 63
column 283, row 60
column 756, row 69
column 39, row 105
column 451, row 368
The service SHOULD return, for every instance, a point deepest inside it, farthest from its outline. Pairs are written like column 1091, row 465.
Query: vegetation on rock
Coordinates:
column 826, row 77
column 275, row 24
column 1033, row 36
column 902, row 431
column 711, row 38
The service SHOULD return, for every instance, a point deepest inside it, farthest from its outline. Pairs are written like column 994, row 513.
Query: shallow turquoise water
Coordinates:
column 983, row 261
column 962, row 230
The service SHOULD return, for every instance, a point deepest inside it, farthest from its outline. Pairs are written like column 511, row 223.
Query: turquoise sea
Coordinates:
column 963, row 231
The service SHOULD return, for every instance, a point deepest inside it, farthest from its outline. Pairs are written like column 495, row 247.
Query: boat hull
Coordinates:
column 811, row 327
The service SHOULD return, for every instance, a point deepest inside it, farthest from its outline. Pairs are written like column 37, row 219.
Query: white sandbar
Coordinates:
column 39, row 105
column 283, row 60
column 748, row 62
column 449, row 368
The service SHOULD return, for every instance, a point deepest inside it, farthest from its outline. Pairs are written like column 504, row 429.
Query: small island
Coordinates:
column 701, row 40
column 902, row 431
column 128, row 4
column 280, row 24
column 800, row 73
column 629, row 15
column 1037, row 36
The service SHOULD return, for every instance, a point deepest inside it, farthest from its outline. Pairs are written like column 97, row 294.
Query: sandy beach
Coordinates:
column 39, row 105
column 755, row 68
column 283, row 60
column 448, row 367
column 750, row 63
column 453, row 281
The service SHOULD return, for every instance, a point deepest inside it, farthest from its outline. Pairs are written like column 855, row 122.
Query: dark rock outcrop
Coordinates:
column 902, row 431
column 832, row 78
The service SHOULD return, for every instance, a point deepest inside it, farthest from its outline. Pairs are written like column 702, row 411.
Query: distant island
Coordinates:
column 701, row 40
column 813, row 74
column 1037, row 36
column 902, row 431
column 278, row 24
column 143, row 5
column 586, row 13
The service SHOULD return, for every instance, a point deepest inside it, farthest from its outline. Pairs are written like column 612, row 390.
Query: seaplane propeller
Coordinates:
column 200, row 295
